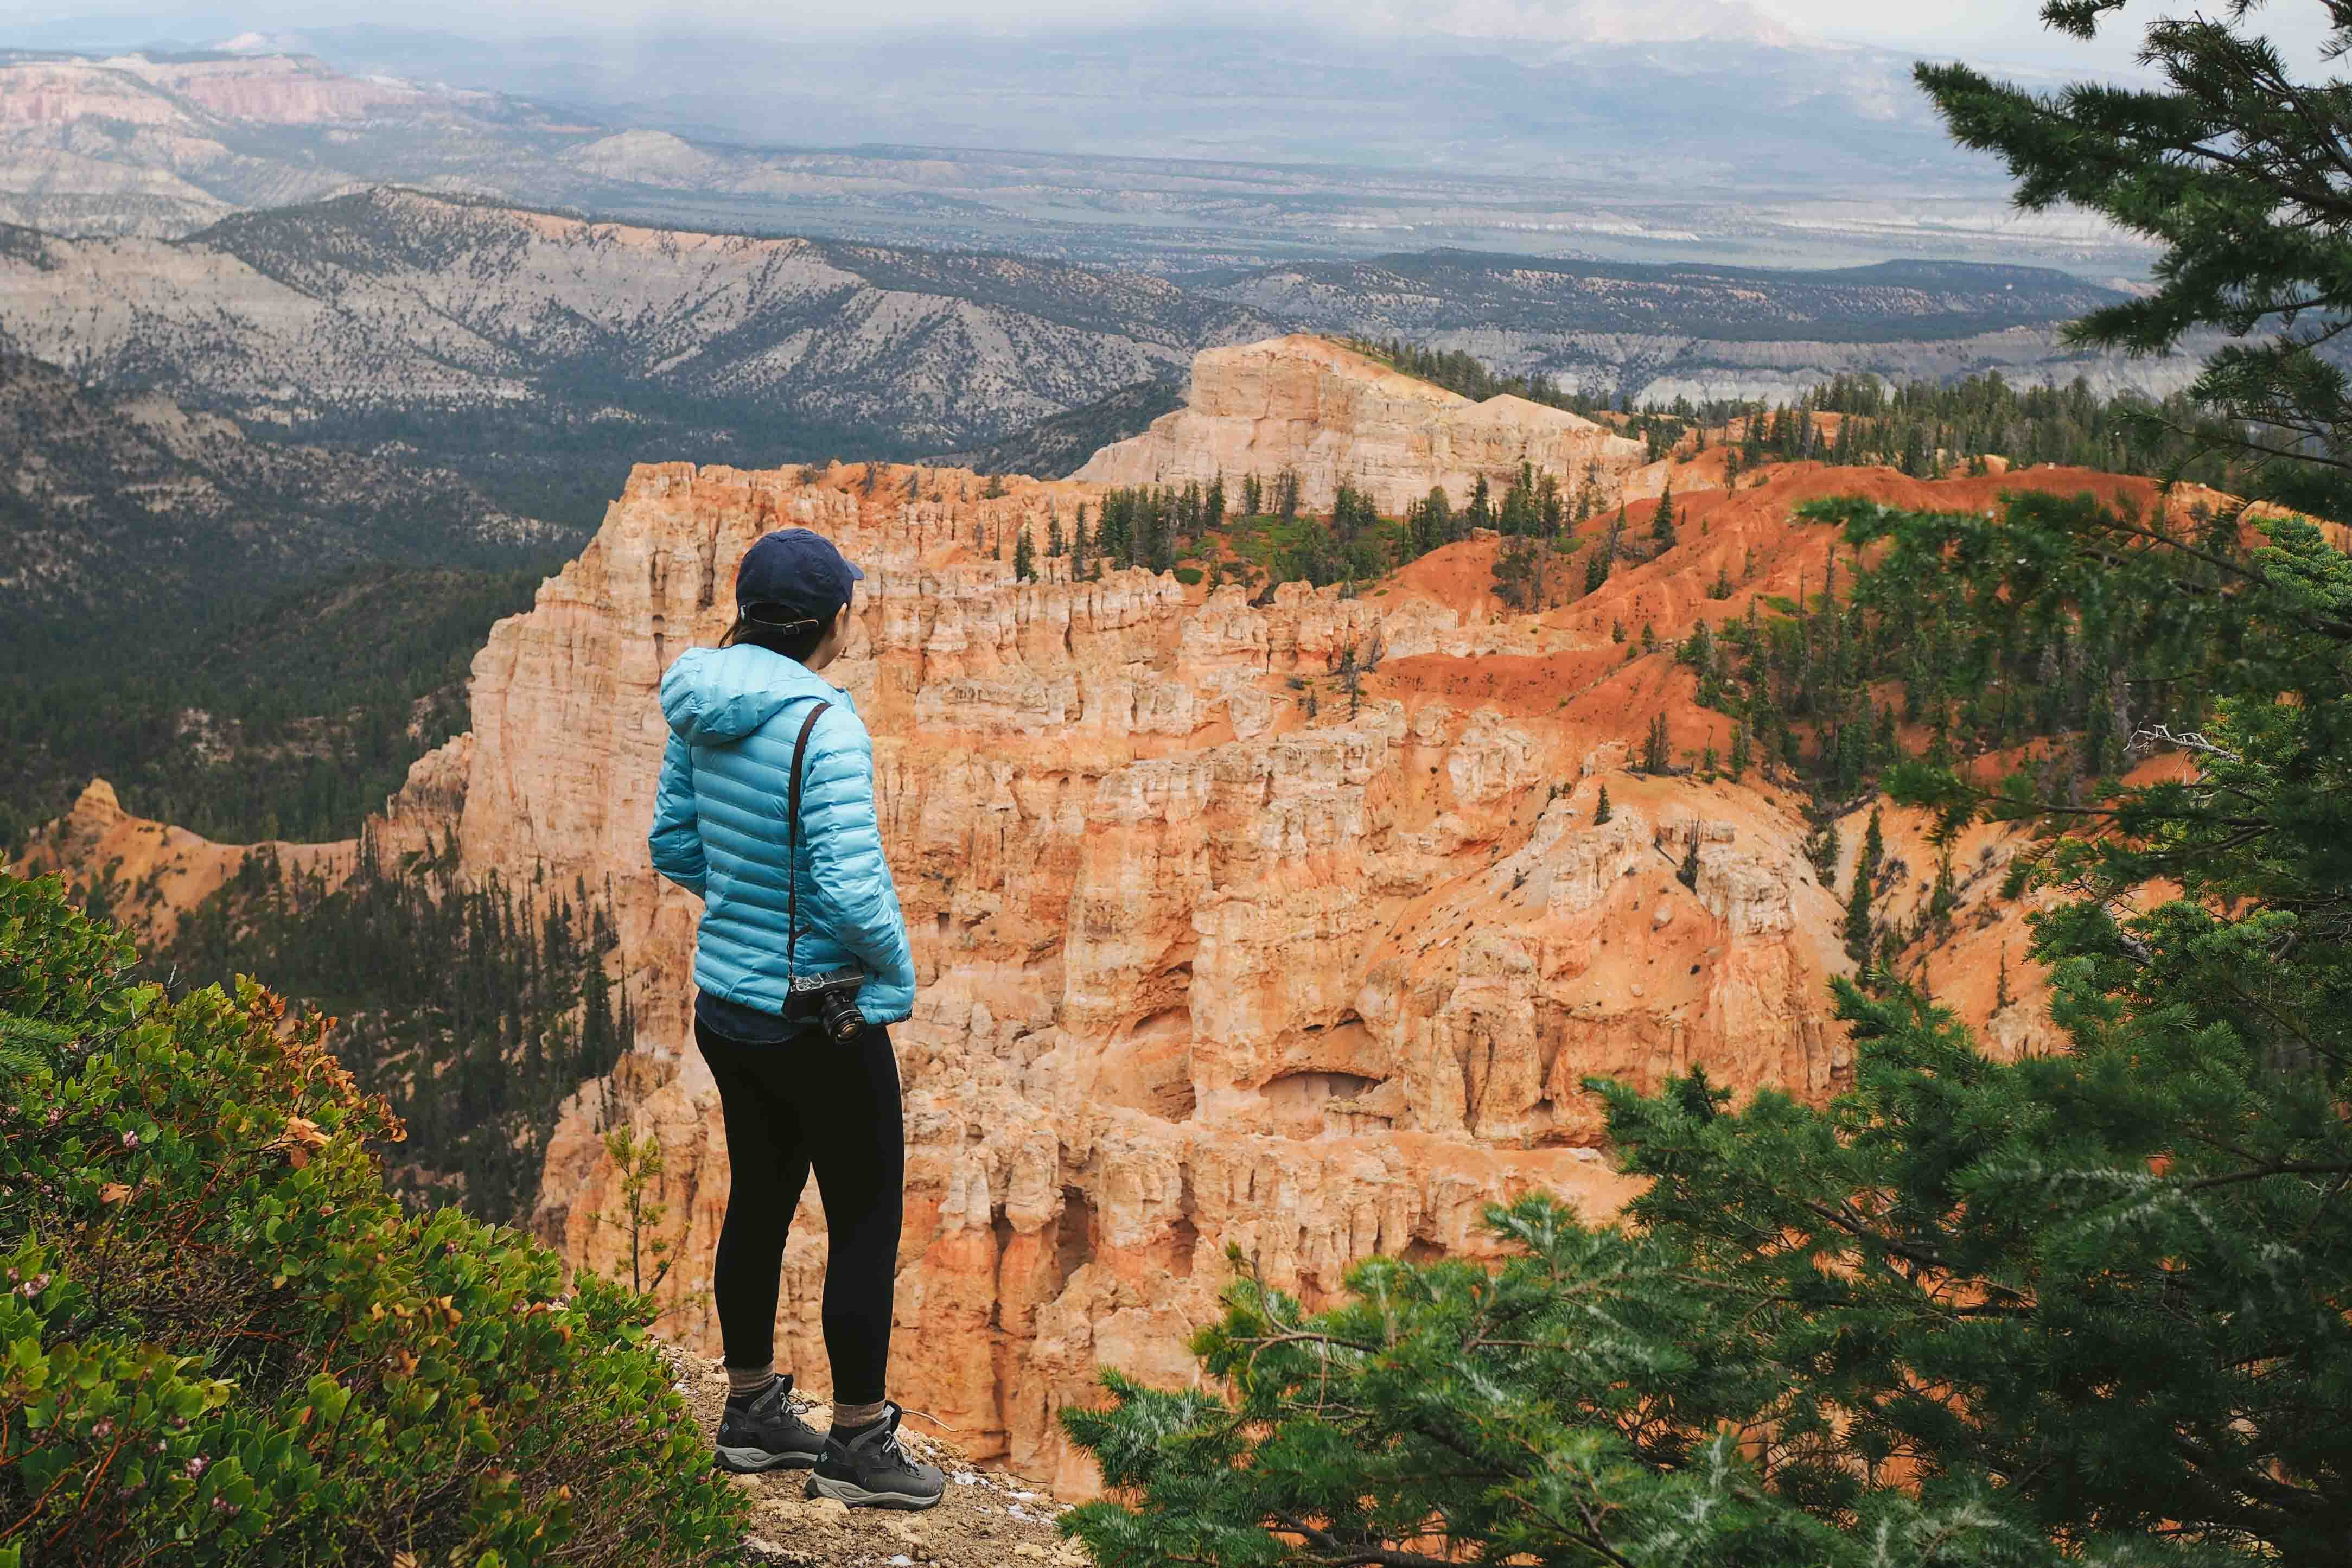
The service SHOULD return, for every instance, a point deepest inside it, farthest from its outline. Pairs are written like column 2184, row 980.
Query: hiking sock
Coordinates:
column 852, row 1419
column 746, row 1384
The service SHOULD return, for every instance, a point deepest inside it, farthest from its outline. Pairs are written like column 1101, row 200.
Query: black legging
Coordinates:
column 807, row 1104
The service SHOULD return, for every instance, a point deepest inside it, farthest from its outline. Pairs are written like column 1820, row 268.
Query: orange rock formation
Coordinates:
column 151, row 874
column 1212, row 952
column 271, row 90
column 1332, row 415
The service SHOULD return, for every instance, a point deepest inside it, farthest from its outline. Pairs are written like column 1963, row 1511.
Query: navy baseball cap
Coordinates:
column 793, row 574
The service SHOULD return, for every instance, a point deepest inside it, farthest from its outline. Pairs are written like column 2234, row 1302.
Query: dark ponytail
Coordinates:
column 795, row 639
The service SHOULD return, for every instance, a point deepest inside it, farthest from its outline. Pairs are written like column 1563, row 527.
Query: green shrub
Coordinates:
column 223, row 1340
column 1191, row 576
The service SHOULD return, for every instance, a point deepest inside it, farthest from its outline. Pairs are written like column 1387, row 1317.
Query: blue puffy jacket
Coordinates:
column 719, row 831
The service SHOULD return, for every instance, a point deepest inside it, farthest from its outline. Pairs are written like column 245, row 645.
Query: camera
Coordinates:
column 830, row 1002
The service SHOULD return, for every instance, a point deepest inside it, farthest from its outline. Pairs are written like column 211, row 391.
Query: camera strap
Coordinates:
column 792, row 876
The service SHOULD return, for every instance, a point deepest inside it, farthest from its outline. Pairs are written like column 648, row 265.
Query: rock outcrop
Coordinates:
column 1333, row 416
column 1211, row 952
column 1218, row 945
column 148, row 875
column 163, row 90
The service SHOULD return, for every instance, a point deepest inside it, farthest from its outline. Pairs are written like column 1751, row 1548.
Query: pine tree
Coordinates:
column 1946, row 896
column 1599, row 565
column 2160, row 164
column 1431, row 524
column 1687, row 872
column 1859, row 931
column 1600, row 808
column 1517, row 573
column 1824, row 849
column 1662, row 525
column 1024, row 558
column 1739, row 757
column 1657, row 746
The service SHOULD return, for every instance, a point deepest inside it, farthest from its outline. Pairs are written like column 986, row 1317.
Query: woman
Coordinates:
column 794, row 1098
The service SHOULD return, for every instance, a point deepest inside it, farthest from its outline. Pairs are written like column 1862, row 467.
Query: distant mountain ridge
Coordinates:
column 167, row 142
column 512, row 342
column 1452, row 289
column 1654, row 332
column 542, row 352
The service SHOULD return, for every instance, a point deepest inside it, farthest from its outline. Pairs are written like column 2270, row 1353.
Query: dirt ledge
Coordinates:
column 989, row 1519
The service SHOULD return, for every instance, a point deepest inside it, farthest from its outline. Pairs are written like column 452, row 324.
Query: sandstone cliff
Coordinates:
column 1207, row 958
column 147, row 874
column 1306, row 403
column 1209, row 953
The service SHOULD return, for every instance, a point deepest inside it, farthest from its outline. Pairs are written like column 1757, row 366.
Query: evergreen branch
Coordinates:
column 1855, row 1226
column 2275, row 1168
column 2286, row 1023
column 1355, row 1556
column 2285, row 1501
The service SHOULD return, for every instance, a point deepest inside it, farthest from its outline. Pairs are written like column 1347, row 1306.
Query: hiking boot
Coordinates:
column 767, row 1433
column 869, row 1470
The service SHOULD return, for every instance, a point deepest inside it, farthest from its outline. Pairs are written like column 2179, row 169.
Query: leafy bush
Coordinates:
column 474, row 1010
column 222, row 1340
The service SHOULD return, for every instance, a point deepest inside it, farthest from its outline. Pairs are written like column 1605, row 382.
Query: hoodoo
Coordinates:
column 1334, row 415
column 1282, row 925
column 1212, row 949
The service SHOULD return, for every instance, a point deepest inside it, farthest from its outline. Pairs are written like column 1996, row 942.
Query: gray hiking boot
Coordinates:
column 871, row 1470
column 767, row 1433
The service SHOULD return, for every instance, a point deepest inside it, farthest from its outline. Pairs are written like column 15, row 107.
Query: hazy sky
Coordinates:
column 1980, row 28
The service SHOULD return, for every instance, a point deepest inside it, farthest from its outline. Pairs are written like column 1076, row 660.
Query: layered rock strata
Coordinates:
column 1333, row 417
column 1211, row 952
column 1218, row 944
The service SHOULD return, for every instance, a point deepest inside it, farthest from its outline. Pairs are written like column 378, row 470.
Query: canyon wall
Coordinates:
column 1224, row 938
column 1213, row 950
column 164, row 90
column 1334, row 415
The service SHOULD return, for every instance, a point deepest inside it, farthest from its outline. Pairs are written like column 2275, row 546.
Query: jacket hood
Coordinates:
column 715, row 695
